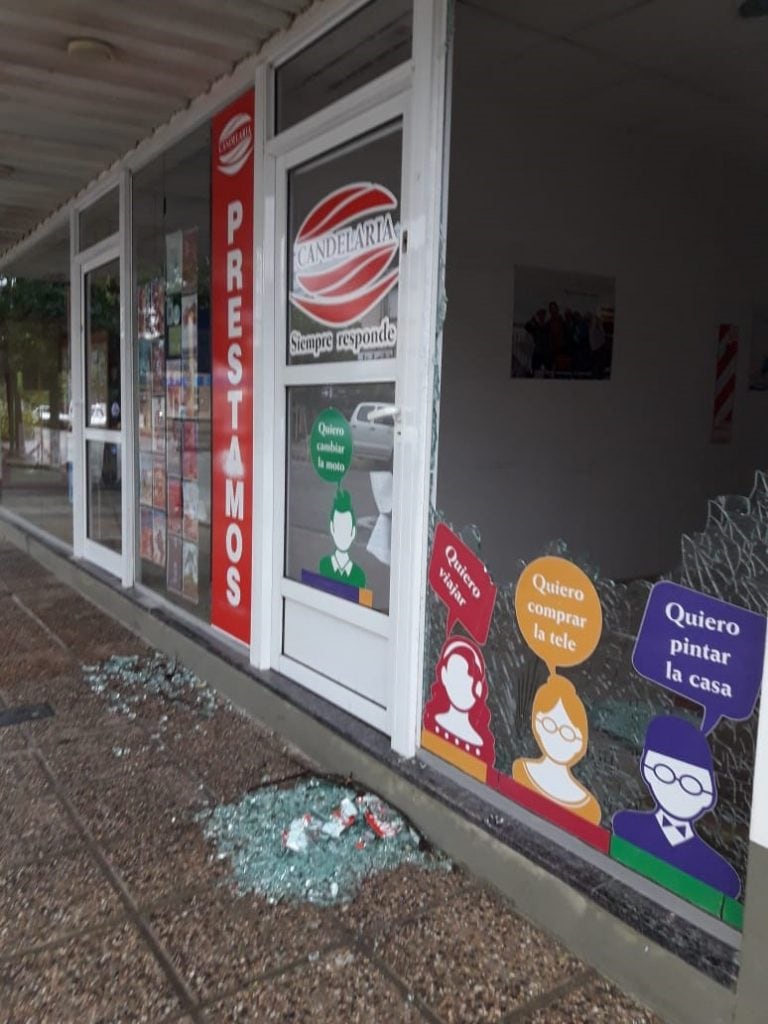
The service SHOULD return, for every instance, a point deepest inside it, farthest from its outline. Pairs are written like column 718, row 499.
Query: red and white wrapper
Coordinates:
column 381, row 819
column 342, row 818
column 298, row 834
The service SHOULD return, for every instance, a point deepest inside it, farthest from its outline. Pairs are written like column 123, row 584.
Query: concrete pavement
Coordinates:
column 114, row 909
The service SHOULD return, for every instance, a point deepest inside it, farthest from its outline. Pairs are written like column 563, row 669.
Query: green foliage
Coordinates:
column 33, row 324
column 34, row 333
column 23, row 299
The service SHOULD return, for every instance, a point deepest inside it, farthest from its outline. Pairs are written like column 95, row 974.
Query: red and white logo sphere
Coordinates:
column 235, row 144
column 344, row 252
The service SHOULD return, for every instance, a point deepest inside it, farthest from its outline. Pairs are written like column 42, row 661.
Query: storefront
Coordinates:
column 602, row 427
column 219, row 412
column 493, row 531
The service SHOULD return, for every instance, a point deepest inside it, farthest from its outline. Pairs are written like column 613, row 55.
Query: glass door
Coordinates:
column 102, row 413
column 340, row 210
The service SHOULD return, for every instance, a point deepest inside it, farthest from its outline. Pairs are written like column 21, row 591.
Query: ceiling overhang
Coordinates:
column 83, row 81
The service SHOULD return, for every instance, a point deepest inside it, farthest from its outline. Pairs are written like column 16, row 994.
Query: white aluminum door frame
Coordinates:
column 115, row 563
column 268, row 273
column 419, row 316
column 421, row 305
column 379, row 370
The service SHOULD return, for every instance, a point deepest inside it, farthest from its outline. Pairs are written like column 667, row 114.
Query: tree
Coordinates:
column 34, row 332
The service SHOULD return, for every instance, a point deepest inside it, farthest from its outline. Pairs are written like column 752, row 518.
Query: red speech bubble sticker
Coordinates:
column 462, row 583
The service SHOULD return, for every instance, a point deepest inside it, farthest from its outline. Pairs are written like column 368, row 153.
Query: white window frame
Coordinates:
column 426, row 73
column 113, row 562
column 315, row 139
column 423, row 163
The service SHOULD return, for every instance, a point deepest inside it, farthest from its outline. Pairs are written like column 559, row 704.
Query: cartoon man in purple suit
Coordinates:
column 677, row 769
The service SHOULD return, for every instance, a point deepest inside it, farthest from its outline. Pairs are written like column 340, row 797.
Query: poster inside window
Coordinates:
column 171, row 209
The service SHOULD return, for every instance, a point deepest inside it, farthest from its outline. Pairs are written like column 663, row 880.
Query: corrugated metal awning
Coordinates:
column 68, row 111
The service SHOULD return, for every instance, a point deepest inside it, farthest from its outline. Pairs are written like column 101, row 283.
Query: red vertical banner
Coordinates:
column 232, row 358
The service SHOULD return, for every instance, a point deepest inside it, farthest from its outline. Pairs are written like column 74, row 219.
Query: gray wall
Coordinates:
column 618, row 468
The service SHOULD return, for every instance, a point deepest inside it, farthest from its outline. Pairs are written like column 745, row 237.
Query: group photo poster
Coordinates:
column 563, row 324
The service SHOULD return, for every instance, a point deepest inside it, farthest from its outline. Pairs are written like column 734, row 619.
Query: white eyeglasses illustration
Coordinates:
column 549, row 725
column 688, row 783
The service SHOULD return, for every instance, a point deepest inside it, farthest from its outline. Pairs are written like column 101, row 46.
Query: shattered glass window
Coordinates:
column 727, row 559
column 603, row 377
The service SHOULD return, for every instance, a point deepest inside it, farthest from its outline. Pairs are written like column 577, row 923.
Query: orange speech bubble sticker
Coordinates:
column 558, row 611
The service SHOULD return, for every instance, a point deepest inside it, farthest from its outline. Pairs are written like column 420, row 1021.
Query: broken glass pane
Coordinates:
column 728, row 559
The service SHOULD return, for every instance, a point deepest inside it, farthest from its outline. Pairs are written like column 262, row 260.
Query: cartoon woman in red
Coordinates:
column 457, row 711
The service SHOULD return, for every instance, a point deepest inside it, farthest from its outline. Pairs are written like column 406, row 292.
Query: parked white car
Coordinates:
column 42, row 414
column 373, row 430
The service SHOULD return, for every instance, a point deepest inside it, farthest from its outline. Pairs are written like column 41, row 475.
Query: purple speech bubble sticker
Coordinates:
column 703, row 649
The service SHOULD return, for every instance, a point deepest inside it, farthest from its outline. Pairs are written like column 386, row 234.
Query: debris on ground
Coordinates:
column 126, row 681
column 315, row 841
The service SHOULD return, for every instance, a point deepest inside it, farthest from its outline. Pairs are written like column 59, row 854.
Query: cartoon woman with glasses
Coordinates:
column 561, row 731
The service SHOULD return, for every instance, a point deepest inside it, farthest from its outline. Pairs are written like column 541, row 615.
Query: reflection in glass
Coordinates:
column 172, row 322
column 102, row 347
column 342, row 531
column 373, row 40
column 104, row 494
column 99, row 220
column 35, row 387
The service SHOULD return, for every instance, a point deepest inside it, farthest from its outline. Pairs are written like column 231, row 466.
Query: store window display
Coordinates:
column 171, row 223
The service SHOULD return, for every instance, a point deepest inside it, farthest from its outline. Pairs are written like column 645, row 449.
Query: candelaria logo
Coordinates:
column 235, row 144
column 343, row 254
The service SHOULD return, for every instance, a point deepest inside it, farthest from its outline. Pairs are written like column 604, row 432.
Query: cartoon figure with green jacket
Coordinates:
column 343, row 526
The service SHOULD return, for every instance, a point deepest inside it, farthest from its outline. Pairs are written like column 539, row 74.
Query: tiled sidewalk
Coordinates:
column 112, row 908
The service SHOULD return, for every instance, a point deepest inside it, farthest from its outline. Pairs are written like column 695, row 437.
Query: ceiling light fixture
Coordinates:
column 90, row 49
column 753, row 8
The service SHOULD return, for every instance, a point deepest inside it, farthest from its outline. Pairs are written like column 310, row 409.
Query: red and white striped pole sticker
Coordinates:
column 725, row 383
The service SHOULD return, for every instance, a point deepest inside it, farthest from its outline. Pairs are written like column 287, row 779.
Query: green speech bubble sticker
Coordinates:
column 330, row 445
